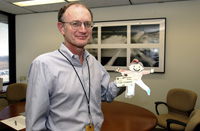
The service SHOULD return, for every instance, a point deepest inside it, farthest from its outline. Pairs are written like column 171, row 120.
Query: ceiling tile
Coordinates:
column 151, row 1
column 10, row 8
column 46, row 8
column 7, row 6
column 104, row 3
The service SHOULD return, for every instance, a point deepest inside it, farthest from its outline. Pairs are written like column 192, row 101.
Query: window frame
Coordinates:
column 11, row 48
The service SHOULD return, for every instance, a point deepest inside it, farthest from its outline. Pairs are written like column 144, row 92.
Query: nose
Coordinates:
column 82, row 28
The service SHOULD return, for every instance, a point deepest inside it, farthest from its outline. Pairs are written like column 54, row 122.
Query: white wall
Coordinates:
column 38, row 33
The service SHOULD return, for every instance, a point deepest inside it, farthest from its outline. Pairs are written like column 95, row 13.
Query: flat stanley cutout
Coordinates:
column 131, row 77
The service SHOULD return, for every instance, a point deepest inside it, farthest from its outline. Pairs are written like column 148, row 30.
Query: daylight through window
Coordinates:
column 4, row 48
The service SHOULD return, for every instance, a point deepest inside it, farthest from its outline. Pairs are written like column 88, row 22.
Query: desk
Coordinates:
column 118, row 116
column 11, row 111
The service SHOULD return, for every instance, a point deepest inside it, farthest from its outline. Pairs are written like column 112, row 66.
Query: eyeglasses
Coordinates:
column 77, row 24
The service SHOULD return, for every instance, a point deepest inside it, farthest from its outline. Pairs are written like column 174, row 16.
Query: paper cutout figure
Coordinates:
column 131, row 77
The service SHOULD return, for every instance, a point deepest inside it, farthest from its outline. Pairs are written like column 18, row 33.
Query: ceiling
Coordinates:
column 7, row 6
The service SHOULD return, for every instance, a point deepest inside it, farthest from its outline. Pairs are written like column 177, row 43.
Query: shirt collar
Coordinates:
column 72, row 57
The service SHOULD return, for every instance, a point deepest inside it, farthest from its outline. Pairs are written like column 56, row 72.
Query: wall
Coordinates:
column 38, row 33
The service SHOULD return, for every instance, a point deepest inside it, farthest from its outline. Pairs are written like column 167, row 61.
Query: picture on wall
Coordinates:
column 114, row 35
column 148, row 56
column 113, row 57
column 94, row 39
column 116, row 43
column 145, row 34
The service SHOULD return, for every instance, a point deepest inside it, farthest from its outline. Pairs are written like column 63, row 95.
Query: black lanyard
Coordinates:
column 87, row 98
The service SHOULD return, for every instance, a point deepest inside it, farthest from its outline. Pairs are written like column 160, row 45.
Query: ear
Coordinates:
column 61, row 28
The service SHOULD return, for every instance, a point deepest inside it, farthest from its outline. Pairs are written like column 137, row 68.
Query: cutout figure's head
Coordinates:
column 137, row 67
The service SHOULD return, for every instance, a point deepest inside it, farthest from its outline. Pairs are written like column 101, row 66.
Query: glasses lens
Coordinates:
column 88, row 24
column 76, row 24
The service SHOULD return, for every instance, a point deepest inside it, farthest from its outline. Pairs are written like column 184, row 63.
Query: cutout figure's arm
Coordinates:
column 145, row 72
column 121, row 71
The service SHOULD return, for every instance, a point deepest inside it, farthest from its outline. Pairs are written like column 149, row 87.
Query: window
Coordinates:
column 4, row 53
column 7, row 48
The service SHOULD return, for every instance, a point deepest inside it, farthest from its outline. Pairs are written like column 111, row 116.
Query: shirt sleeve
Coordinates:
column 37, row 99
column 109, row 90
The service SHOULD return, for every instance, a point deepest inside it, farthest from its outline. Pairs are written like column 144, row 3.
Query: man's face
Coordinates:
column 76, row 37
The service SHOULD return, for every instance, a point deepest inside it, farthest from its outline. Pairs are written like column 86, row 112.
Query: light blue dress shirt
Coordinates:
column 55, row 98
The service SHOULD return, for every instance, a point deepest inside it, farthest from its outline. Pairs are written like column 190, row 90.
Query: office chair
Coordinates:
column 180, row 104
column 3, row 103
column 15, row 93
column 194, row 121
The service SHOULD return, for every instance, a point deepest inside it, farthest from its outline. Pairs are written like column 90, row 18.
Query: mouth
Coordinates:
column 137, row 70
column 81, row 37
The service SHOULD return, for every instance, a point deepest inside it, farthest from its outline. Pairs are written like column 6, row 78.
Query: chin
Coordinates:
column 83, row 43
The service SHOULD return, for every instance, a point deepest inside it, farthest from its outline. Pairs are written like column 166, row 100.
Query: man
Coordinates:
column 66, row 87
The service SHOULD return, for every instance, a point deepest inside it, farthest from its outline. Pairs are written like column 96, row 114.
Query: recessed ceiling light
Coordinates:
column 37, row 2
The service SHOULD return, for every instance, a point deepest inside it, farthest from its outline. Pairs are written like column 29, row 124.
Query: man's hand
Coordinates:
column 117, row 69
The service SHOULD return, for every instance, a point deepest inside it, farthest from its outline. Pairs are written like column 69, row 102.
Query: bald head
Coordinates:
column 63, row 10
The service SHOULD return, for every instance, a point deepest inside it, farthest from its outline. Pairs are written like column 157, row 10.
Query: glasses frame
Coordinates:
column 76, row 28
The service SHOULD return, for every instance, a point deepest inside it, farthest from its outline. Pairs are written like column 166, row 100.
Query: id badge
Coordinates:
column 90, row 127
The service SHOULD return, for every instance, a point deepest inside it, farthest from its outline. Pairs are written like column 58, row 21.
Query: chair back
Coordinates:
column 3, row 103
column 181, row 100
column 16, row 92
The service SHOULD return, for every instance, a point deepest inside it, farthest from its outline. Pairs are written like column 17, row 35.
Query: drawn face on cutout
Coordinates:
column 136, row 67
